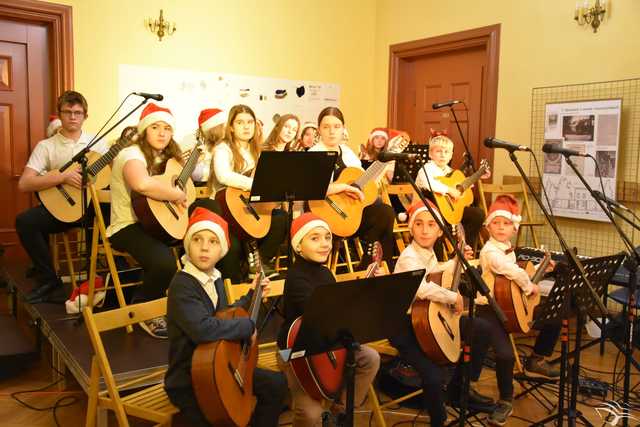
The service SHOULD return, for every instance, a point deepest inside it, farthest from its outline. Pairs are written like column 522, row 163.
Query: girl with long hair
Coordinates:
column 284, row 134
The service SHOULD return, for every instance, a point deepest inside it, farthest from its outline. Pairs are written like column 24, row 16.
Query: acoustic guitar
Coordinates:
column 222, row 371
column 252, row 218
column 451, row 209
column 64, row 201
column 344, row 213
column 163, row 219
column 517, row 307
column 436, row 325
column 321, row 375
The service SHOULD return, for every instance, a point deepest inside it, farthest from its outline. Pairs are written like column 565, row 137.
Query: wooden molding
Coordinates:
column 488, row 37
column 59, row 19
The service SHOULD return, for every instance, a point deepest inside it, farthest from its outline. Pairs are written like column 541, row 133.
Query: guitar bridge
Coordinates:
column 336, row 208
column 172, row 210
column 446, row 326
column 525, row 303
column 237, row 377
column 66, row 195
column 250, row 208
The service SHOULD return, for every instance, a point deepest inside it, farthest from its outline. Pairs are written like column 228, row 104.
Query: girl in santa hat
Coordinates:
column 132, row 170
column 283, row 134
column 497, row 256
column 234, row 161
column 377, row 218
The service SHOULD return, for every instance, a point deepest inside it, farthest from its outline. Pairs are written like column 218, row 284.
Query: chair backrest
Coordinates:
column 359, row 274
column 203, row 192
column 404, row 192
column 516, row 190
column 236, row 291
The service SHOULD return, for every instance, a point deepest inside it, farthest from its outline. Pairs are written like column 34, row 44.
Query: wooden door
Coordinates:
column 459, row 66
column 25, row 102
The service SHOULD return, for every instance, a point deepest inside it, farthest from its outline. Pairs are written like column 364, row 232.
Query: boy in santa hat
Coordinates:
column 311, row 240
column 497, row 256
column 440, row 155
column 420, row 255
column 196, row 293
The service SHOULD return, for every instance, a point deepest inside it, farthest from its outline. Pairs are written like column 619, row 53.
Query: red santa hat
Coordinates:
column 378, row 132
column 153, row 113
column 204, row 219
column 505, row 205
column 54, row 124
column 303, row 224
column 418, row 207
column 210, row 118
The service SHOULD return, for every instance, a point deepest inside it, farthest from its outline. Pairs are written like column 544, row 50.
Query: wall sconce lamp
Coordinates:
column 593, row 15
column 160, row 27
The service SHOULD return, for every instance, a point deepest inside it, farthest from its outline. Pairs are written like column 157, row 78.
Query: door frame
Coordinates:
column 59, row 19
column 486, row 37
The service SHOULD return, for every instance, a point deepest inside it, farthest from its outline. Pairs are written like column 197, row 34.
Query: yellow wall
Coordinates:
column 540, row 45
column 329, row 41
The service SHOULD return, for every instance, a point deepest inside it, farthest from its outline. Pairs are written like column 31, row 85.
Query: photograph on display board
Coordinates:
column 553, row 161
column 578, row 128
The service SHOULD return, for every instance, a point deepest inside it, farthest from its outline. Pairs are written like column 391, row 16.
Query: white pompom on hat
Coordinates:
column 303, row 224
column 505, row 205
column 153, row 113
column 204, row 219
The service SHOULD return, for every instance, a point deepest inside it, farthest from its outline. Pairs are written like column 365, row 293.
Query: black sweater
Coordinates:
column 191, row 321
column 302, row 279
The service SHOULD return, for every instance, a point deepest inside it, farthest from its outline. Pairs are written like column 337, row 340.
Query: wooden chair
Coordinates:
column 267, row 352
column 203, row 192
column 518, row 190
column 406, row 195
column 342, row 250
column 70, row 256
column 150, row 403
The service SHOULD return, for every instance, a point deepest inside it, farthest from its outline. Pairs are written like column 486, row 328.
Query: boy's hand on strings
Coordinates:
column 454, row 193
column 468, row 252
column 72, row 176
column 535, row 290
column 459, row 306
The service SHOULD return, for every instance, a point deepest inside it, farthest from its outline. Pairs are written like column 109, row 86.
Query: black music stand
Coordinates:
column 287, row 177
column 362, row 311
column 412, row 166
column 570, row 292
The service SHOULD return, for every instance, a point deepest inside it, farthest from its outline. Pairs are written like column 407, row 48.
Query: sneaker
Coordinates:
column 536, row 366
column 502, row 412
column 156, row 327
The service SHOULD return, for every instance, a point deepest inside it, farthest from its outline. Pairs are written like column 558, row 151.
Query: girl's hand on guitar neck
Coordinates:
column 468, row 252
column 349, row 190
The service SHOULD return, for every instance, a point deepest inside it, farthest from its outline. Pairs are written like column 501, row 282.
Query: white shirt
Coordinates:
column 122, row 213
column 494, row 259
column 432, row 171
column 207, row 280
column 52, row 153
column 415, row 257
column 223, row 169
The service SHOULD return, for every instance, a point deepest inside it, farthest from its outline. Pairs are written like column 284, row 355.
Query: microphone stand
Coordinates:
column 632, row 263
column 81, row 158
column 571, row 411
column 468, row 162
column 477, row 285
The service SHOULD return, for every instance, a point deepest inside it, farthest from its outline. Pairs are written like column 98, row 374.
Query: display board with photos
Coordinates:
column 591, row 128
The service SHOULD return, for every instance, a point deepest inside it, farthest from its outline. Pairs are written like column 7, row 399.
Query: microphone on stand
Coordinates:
column 496, row 143
column 154, row 96
column 387, row 156
column 556, row 148
column 438, row 105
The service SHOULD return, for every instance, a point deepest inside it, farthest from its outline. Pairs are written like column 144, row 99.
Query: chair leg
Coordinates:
column 67, row 250
column 347, row 255
column 515, row 353
column 93, row 265
column 94, row 389
column 375, row 407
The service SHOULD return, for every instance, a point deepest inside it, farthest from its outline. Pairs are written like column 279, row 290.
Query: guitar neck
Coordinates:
column 372, row 172
column 470, row 180
column 189, row 166
column 539, row 274
column 106, row 158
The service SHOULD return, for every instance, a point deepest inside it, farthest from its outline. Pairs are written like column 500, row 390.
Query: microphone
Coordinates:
column 496, row 143
column 556, row 148
column 387, row 156
column 154, row 96
column 609, row 201
column 438, row 105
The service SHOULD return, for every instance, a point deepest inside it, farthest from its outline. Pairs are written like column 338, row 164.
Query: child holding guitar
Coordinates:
column 41, row 173
column 311, row 240
column 497, row 257
column 376, row 223
column 440, row 154
column 418, row 255
column 132, row 171
column 195, row 295
column 234, row 160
